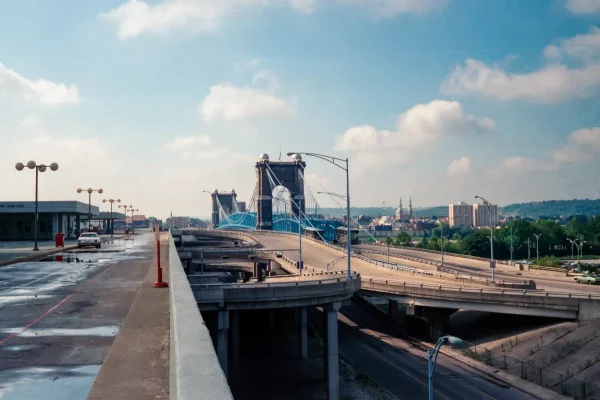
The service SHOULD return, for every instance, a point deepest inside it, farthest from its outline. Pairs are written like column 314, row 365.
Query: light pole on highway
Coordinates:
column 132, row 210
column 442, row 248
column 537, row 245
column 38, row 168
column 512, row 247
column 112, row 223
column 581, row 242
column 90, row 191
column 432, row 359
column 336, row 161
column 489, row 207
column 573, row 243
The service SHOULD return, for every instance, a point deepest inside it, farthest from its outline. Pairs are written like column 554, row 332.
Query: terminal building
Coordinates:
column 17, row 219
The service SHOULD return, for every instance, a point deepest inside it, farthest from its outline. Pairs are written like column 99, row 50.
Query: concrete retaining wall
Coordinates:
column 195, row 372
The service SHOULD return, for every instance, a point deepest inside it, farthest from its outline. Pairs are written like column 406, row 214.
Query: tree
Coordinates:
column 403, row 239
column 389, row 241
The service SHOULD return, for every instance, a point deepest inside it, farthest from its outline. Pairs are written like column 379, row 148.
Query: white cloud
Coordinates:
column 583, row 146
column 16, row 87
column 522, row 164
column 421, row 127
column 461, row 166
column 268, row 77
column 30, row 121
column 550, row 84
column 584, row 47
column 583, row 6
column 137, row 17
column 186, row 143
column 313, row 179
column 230, row 102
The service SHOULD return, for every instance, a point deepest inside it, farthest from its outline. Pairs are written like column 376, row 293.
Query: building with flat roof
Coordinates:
column 484, row 215
column 17, row 219
column 460, row 215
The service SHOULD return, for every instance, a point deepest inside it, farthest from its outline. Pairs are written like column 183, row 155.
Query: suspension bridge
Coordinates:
column 281, row 201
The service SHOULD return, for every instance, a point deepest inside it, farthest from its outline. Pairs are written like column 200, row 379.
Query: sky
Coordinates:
column 156, row 101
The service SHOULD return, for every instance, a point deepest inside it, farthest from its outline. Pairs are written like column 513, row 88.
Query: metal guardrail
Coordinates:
column 471, row 289
column 502, row 262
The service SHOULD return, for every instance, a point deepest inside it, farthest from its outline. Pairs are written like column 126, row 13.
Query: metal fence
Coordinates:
column 562, row 383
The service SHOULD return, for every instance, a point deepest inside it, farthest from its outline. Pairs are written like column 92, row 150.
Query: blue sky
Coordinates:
column 435, row 99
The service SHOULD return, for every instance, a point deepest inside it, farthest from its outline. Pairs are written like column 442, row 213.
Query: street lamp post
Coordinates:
column 335, row 161
column 512, row 247
column 112, row 224
column 432, row 359
column 537, row 245
column 572, row 252
column 38, row 168
column 581, row 242
column 90, row 191
column 132, row 210
column 489, row 206
column 442, row 248
column 125, row 207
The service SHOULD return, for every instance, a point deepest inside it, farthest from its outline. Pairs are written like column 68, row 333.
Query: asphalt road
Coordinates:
column 544, row 280
column 400, row 367
column 59, row 317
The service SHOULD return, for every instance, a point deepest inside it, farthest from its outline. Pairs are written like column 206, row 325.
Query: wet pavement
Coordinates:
column 60, row 315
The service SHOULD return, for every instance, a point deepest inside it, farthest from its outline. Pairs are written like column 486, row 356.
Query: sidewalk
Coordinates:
column 137, row 365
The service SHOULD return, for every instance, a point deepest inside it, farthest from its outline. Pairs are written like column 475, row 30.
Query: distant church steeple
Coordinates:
column 410, row 210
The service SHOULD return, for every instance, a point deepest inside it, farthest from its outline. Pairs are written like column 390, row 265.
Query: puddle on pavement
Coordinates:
column 102, row 331
column 49, row 383
column 22, row 347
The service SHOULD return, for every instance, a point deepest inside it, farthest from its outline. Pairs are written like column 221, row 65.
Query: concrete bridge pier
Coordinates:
column 332, row 366
column 303, row 333
column 222, row 331
column 235, row 336
column 397, row 314
column 439, row 321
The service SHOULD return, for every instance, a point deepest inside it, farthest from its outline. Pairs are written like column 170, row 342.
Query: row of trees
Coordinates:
column 553, row 239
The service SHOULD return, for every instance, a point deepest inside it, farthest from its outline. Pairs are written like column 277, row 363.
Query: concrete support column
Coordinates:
column 271, row 319
column 439, row 321
column 77, row 225
column 325, row 345
column 69, row 231
column 235, row 336
column 393, row 308
column 303, row 334
column 222, row 328
column 332, row 365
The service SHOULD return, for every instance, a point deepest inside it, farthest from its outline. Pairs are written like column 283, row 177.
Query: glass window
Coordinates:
column 27, row 226
column 20, row 226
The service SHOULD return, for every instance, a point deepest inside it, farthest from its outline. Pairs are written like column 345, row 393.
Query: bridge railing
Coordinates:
column 391, row 284
column 195, row 371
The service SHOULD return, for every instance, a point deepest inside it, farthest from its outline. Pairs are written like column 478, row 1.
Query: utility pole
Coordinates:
column 512, row 248
column 528, row 250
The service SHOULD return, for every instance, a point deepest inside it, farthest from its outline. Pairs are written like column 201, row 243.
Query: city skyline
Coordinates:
column 437, row 100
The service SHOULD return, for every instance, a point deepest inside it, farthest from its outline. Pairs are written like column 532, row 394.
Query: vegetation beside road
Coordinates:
column 553, row 241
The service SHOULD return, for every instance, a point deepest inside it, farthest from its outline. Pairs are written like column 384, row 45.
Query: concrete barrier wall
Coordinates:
column 195, row 372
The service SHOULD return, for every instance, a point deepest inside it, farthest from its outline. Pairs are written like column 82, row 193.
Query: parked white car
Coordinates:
column 89, row 239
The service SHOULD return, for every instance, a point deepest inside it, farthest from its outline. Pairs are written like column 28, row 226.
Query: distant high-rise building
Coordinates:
column 484, row 215
column 241, row 206
column 460, row 215
column 179, row 222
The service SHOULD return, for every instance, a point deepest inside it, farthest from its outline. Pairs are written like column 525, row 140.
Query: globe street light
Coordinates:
column 132, row 210
column 112, row 223
column 335, row 161
column 38, row 168
column 124, row 206
column 90, row 191
column 489, row 207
